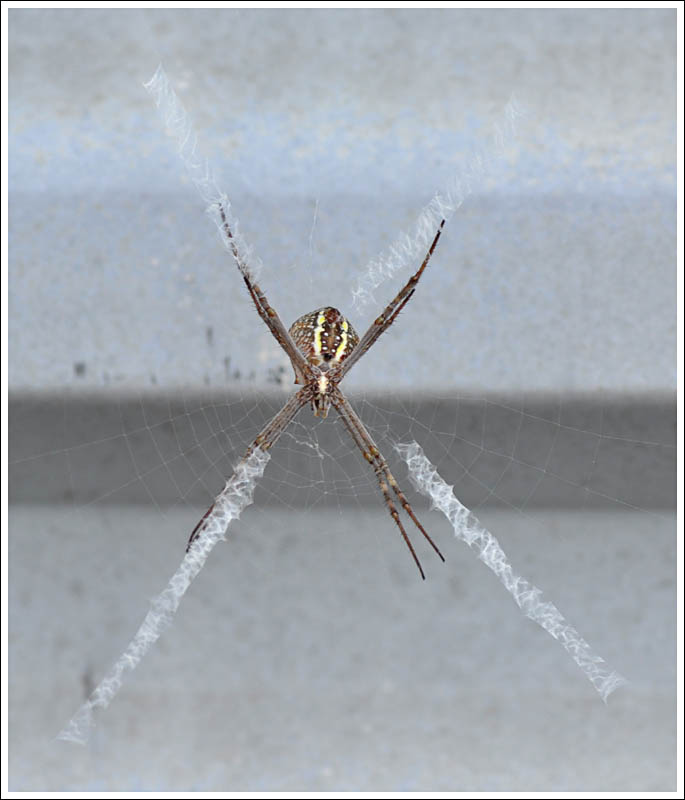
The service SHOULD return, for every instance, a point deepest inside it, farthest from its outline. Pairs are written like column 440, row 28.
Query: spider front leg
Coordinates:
column 303, row 370
column 372, row 454
column 388, row 316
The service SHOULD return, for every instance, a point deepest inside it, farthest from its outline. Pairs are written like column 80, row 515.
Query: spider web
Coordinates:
column 130, row 470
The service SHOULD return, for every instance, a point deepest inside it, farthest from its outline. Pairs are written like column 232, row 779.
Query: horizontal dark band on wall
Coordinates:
column 168, row 449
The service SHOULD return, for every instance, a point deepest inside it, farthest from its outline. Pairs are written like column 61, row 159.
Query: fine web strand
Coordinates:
column 236, row 495
column 409, row 248
column 180, row 128
column 528, row 597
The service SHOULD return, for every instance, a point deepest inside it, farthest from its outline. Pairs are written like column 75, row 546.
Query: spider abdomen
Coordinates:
column 325, row 337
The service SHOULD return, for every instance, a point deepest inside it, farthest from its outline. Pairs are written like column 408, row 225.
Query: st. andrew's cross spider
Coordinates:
column 322, row 347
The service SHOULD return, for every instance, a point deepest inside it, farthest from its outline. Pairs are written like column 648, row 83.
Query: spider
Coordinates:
column 322, row 347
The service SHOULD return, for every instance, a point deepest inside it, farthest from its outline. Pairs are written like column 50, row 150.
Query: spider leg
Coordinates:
column 268, row 436
column 368, row 454
column 371, row 453
column 388, row 316
column 302, row 368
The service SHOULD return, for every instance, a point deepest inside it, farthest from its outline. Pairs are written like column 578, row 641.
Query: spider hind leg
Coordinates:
column 410, row 511
column 396, row 517
column 385, row 478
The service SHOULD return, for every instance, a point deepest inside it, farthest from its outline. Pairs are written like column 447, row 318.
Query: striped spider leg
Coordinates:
column 268, row 436
column 322, row 346
column 389, row 315
column 303, row 370
column 371, row 453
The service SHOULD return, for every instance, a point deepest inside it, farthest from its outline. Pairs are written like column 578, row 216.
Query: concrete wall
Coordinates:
column 554, row 283
column 536, row 365
column 330, row 130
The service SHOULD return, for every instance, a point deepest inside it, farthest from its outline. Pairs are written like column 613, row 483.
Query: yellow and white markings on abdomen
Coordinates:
column 342, row 347
column 324, row 336
column 320, row 322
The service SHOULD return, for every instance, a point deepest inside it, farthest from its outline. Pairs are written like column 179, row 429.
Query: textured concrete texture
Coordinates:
column 330, row 130
column 309, row 655
column 535, row 364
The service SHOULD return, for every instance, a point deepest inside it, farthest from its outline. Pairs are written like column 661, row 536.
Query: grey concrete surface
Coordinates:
column 561, row 451
column 330, row 130
column 309, row 655
column 536, row 365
